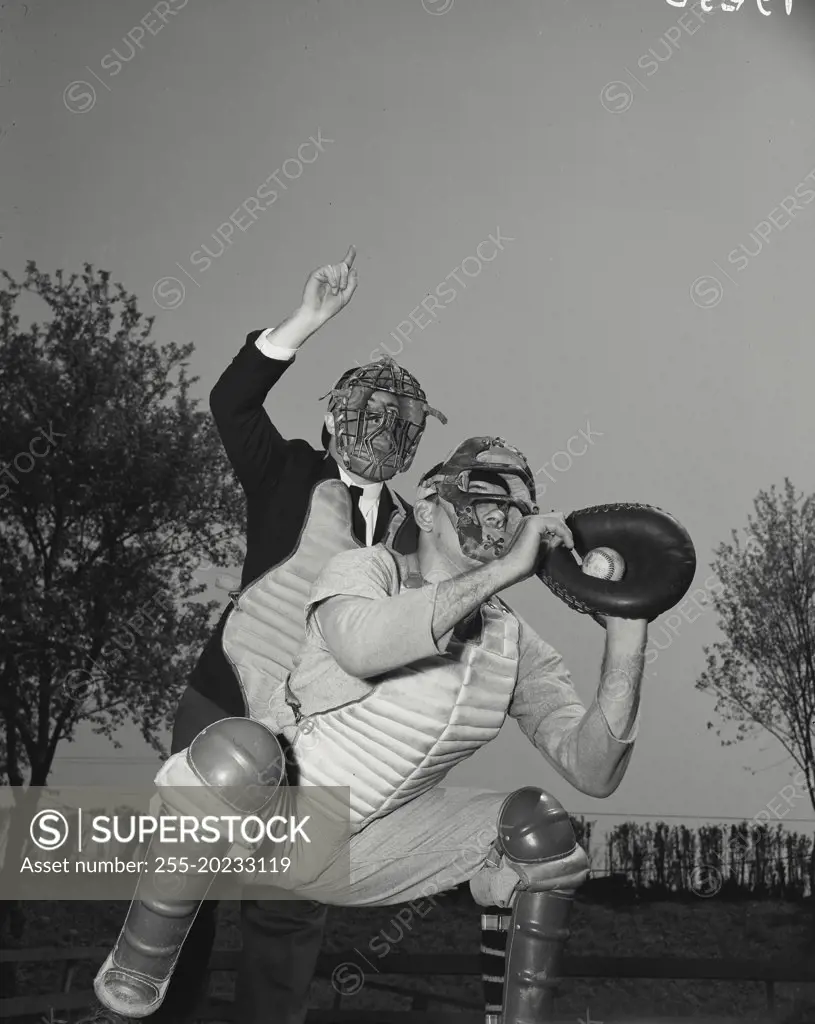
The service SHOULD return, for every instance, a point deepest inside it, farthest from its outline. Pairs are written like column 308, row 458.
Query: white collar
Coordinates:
column 370, row 492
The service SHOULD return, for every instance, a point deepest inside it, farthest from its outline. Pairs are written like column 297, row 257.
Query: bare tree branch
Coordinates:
column 763, row 672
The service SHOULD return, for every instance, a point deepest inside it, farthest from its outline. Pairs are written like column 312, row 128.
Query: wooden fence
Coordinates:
column 67, row 1001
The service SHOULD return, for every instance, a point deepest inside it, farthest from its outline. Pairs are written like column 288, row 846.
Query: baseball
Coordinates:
column 605, row 564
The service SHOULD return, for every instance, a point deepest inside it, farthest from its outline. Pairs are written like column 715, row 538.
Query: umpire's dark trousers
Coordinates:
column 281, row 939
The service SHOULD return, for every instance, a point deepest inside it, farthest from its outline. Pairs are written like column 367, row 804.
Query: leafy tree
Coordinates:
column 115, row 494
column 763, row 672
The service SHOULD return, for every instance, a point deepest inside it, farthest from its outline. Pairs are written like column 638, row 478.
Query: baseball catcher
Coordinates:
column 411, row 662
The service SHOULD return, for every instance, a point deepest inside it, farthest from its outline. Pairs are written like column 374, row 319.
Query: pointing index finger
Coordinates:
column 350, row 256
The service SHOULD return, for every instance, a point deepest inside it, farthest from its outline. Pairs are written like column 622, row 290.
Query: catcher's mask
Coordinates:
column 373, row 443
column 485, row 523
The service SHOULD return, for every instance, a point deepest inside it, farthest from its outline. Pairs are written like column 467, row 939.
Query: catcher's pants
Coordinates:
column 433, row 843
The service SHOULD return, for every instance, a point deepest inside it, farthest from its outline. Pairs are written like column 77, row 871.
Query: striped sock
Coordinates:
column 494, row 925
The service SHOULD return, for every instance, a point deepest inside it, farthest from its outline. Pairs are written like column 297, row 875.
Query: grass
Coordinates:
column 703, row 928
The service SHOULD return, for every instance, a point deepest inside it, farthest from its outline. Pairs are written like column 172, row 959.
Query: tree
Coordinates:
column 114, row 494
column 763, row 672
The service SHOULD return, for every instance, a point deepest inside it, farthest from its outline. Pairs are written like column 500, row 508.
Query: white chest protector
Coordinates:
column 411, row 729
column 264, row 631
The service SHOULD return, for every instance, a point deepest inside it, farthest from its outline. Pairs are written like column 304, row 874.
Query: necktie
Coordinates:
column 358, row 520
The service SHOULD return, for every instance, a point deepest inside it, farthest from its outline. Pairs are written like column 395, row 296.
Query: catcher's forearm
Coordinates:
column 459, row 597
column 621, row 678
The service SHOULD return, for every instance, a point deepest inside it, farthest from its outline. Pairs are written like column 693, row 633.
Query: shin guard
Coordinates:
column 537, row 841
column 232, row 768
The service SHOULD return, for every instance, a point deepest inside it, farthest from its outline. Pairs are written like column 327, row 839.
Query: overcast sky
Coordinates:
column 652, row 286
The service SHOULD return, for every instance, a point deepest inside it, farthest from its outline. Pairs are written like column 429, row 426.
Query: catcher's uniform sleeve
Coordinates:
column 356, row 612
column 576, row 740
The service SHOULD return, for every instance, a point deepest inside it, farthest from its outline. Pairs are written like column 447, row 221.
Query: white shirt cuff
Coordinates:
column 264, row 344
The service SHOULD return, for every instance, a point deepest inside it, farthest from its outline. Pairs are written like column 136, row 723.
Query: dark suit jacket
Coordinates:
column 277, row 477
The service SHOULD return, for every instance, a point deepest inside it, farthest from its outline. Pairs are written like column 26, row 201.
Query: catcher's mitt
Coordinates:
column 659, row 556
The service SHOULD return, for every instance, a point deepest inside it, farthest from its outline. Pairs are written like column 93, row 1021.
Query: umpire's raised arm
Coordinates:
column 252, row 443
